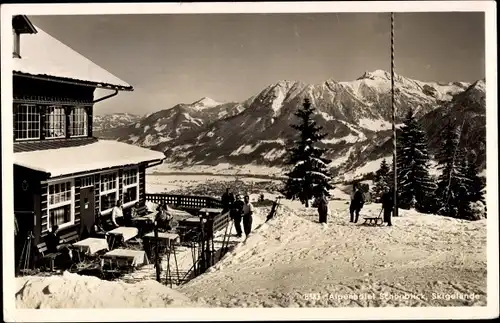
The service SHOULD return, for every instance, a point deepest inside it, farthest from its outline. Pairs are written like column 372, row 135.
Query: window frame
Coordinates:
column 71, row 202
column 87, row 181
column 37, row 113
column 125, row 187
column 47, row 122
column 85, row 121
column 101, row 192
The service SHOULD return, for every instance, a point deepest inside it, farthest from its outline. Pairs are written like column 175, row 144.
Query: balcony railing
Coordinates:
column 192, row 204
column 188, row 202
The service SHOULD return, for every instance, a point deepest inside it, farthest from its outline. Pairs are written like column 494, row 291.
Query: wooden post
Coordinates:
column 203, row 248
column 67, row 121
column 157, row 254
column 394, row 139
column 90, row 120
column 43, row 111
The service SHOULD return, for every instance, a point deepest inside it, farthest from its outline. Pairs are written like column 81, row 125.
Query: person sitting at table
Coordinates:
column 97, row 231
column 129, row 215
column 163, row 218
column 55, row 244
column 133, row 211
column 117, row 214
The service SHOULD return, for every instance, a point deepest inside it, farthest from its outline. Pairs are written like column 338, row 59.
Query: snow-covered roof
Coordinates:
column 44, row 56
column 101, row 154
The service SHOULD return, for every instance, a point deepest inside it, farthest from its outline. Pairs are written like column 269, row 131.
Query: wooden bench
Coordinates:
column 70, row 237
column 51, row 257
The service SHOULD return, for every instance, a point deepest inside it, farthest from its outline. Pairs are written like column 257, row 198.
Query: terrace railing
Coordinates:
column 192, row 204
column 188, row 202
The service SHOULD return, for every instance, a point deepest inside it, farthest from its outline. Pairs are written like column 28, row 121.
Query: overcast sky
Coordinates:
column 172, row 59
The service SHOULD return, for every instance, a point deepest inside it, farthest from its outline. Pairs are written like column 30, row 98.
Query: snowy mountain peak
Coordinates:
column 376, row 74
column 480, row 85
column 285, row 84
column 206, row 102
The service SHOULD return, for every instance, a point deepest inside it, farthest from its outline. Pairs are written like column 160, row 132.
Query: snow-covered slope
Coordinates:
column 293, row 261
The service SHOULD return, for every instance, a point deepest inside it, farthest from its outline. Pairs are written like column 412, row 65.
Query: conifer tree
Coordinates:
column 475, row 182
column 309, row 176
column 381, row 180
column 415, row 185
column 452, row 184
column 472, row 192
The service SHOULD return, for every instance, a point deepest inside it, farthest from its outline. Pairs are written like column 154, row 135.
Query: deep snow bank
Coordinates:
column 74, row 291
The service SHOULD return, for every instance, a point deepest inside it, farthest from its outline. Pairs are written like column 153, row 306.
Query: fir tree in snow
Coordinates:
column 476, row 183
column 382, row 180
column 309, row 176
column 472, row 199
column 453, row 185
column 415, row 185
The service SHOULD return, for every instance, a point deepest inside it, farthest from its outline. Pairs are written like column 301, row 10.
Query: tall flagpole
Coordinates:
column 394, row 153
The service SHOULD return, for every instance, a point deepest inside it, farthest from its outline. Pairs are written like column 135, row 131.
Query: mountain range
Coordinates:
column 356, row 115
column 114, row 121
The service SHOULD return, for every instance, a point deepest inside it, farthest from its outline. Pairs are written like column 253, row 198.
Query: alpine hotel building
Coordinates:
column 63, row 175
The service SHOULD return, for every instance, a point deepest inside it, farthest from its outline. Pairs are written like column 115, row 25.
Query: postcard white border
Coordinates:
column 203, row 314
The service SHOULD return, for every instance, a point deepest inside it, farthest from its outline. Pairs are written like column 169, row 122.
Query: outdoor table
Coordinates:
column 148, row 217
column 165, row 240
column 133, row 258
column 166, row 236
column 126, row 232
column 90, row 246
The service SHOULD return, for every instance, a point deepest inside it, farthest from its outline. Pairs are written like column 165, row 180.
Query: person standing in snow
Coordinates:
column 322, row 205
column 227, row 200
column 248, row 210
column 236, row 213
column 117, row 214
column 387, row 205
column 357, row 202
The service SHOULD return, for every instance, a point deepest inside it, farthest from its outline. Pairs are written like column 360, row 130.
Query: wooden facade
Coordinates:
column 31, row 197
column 53, row 112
